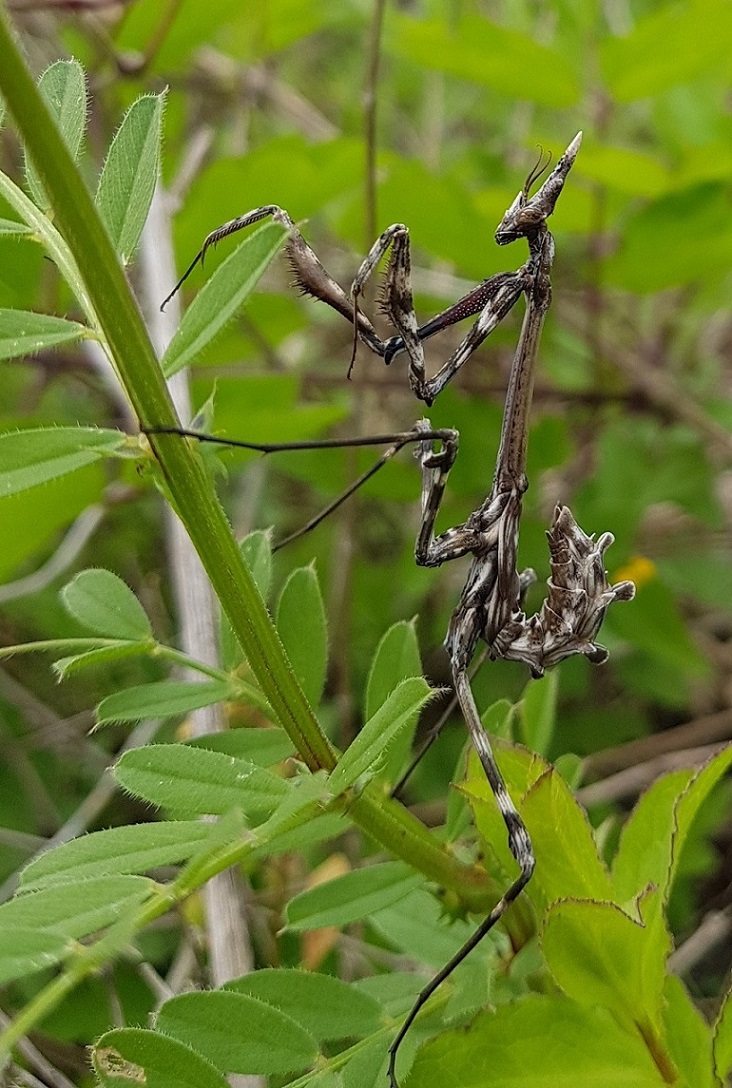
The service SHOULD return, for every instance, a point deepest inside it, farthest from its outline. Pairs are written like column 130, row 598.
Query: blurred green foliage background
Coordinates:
column 270, row 102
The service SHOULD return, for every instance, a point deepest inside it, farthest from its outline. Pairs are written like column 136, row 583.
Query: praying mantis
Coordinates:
column 490, row 608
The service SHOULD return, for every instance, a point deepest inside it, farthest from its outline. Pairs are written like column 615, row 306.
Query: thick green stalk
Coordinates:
column 139, row 372
column 195, row 499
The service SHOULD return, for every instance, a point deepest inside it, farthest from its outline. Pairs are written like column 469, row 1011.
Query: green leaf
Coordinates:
column 222, row 295
column 286, row 840
column 304, row 801
column 77, row 908
column 10, row 226
column 696, row 218
column 571, row 768
column 691, row 800
column 644, row 852
column 411, row 191
column 302, row 626
column 396, row 658
column 116, row 851
column 25, row 333
column 683, row 477
column 32, row 521
column 194, row 782
column 257, row 551
column 238, row 1033
column 63, row 85
column 265, row 747
column 256, row 548
column 533, row 1043
column 599, row 955
column 416, row 925
column 723, row 1038
column 102, row 602
column 226, row 832
column 538, row 712
column 395, row 992
column 324, row 1077
column 370, row 747
column 127, row 181
column 367, row 1067
column 624, row 169
column 323, row 1005
column 498, row 719
column 567, row 861
column 43, row 230
column 29, row 458
column 688, row 1036
column 511, row 64
column 283, row 24
column 215, row 21
column 654, row 835
column 668, row 47
column 351, row 897
column 23, row 951
column 163, row 699
column 104, row 655
column 655, row 624
column 135, row 1056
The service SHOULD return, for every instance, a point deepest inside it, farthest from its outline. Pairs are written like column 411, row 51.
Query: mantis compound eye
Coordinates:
column 508, row 230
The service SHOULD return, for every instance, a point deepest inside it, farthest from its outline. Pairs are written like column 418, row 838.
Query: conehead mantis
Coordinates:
column 491, row 606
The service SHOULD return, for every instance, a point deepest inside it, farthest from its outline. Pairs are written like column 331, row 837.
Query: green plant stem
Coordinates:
column 37, row 1009
column 121, row 322
column 86, row 960
column 197, row 505
column 240, row 690
column 191, row 491
column 57, row 645
column 340, row 1061
column 56, row 248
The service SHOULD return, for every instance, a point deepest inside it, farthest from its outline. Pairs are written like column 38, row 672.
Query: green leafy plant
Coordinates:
column 583, row 960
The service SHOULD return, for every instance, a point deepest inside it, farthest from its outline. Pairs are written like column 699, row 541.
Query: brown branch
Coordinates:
column 709, row 729
column 633, row 780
